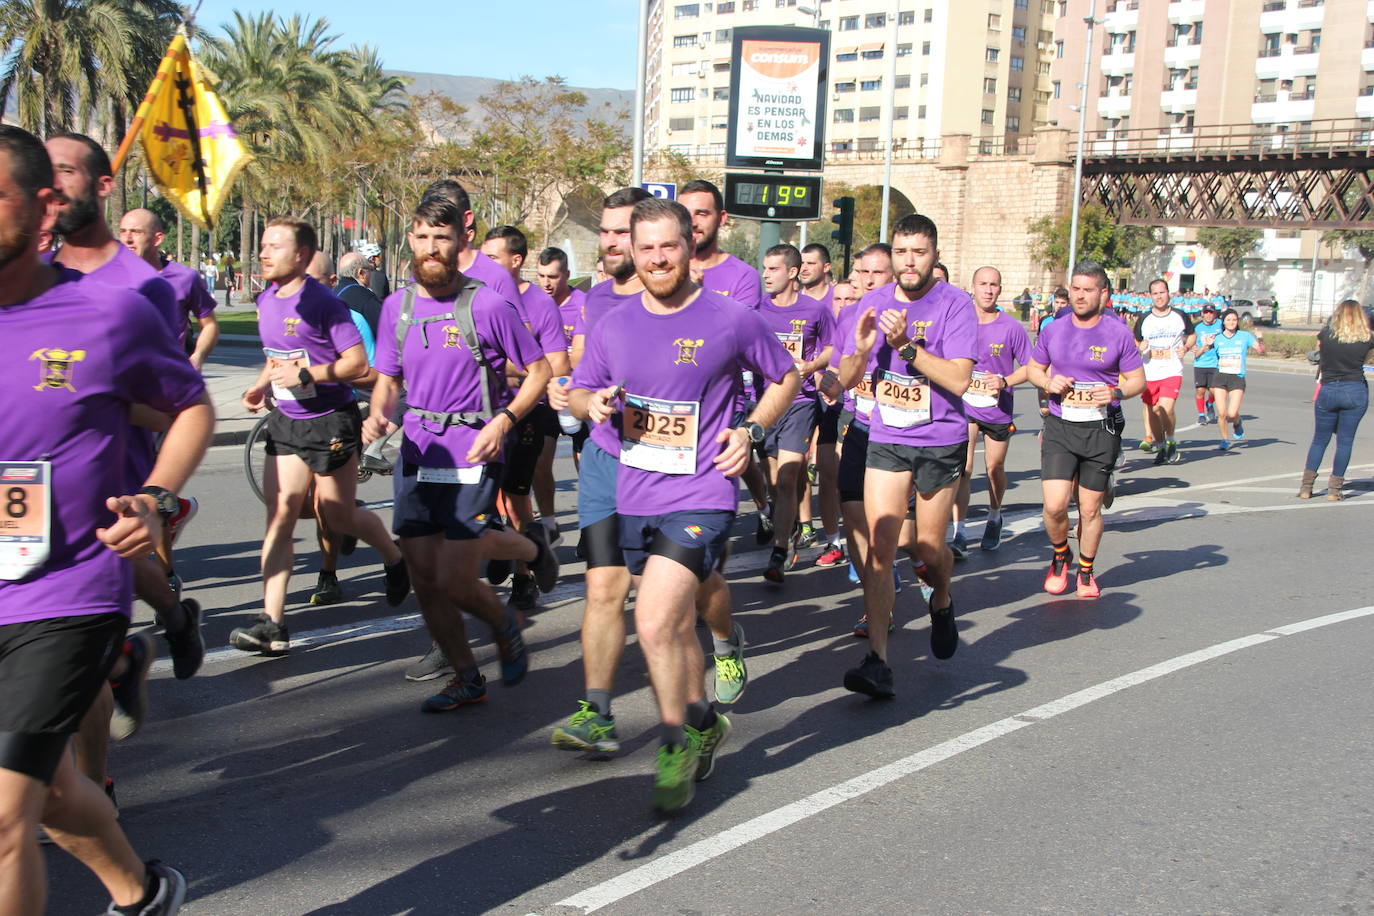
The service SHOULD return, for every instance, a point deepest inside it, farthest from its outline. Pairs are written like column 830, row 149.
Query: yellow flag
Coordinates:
column 192, row 150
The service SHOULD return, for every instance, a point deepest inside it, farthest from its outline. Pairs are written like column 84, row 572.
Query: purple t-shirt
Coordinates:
column 804, row 329
column 311, row 327
column 905, row 415
column 1090, row 356
column 828, row 298
column 844, row 330
column 542, row 319
column 72, row 360
column 571, row 310
column 441, row 374
column 127, row 270
column 192, row 296
column 668, row 364
column 1003, row 344
column 496, row 277
column 735, row 279
column 601, row 299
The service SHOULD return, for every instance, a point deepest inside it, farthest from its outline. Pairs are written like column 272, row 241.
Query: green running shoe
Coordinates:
column 587, row 730
column 731, row 673
column 675, row 770
column 707, row 742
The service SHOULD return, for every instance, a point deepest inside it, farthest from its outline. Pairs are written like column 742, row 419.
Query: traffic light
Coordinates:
column 843, row 234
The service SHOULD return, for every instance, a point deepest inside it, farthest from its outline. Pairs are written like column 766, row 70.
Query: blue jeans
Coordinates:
column 1340, row 406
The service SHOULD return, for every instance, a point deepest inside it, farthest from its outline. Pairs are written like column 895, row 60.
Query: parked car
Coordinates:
column 1262, row 312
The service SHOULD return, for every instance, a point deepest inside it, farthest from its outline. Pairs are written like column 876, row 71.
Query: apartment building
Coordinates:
column 1277, row 67
column 952, row 69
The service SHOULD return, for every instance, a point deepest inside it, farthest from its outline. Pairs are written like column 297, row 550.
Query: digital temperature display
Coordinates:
column 776, row 197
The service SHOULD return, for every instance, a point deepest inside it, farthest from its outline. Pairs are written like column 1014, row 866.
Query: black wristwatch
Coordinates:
column 908, row 353
column 165, row 499
column 509, row 415
column 304, row 377
column 755, row 432
column 1118, row 394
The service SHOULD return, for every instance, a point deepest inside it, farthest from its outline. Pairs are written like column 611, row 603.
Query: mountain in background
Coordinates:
column 465, row 90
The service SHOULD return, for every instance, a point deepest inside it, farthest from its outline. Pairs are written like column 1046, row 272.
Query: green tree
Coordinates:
column 1362, row 240
column 64, row 61
column 868, row 211
column 1099, row 239
column 1228, row 244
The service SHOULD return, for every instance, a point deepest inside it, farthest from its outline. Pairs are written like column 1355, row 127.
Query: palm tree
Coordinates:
column 63, row 59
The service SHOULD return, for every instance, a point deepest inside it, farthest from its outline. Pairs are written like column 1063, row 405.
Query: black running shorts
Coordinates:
column 324, row 443
column 52, row 671
column 931, row 466
column 523, row 446
column 1089, row 450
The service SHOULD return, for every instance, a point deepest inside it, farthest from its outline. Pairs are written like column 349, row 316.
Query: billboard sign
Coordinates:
column 778, row 80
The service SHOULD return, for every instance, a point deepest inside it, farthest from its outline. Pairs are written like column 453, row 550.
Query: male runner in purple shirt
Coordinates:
column 669, row 367
column 314, row 352
column 917, row 339
column 716, row 270
column 451, row 458
column 1087, row 363
column 142, row 232
column 804, row 326
column 75, row 356
column 552, row 273
column 842, row 295
column 1003, row 350
column 814, row 278
column 529, row 464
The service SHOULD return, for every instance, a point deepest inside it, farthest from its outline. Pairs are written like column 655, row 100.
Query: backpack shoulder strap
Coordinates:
column 403, row 323
column 462, row 314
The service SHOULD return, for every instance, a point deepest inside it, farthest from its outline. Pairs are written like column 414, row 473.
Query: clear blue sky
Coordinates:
column 591, row 43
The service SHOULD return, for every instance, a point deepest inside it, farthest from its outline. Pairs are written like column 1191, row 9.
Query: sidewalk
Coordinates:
column 229, row 370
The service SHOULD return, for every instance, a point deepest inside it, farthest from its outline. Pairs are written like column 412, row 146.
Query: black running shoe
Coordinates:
column 327, row 589
column 498, row 571
column 131, row 690
column 524, row 594
column 262, row 635
column 873, row 678
column 545, row 565
column 763, row 534
column 397, row 583
column 187, row 645
column 510, row 646
column 434, row 664
column 776, row 561
column 944, row 635
column 1162, row 456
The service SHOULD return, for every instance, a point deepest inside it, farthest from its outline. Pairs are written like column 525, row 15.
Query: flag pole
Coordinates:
column 164, row 70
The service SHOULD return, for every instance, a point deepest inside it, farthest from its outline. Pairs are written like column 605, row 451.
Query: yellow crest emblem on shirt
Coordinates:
column 687, row 351
column 55, row 367
column 919, row 328
column 996, row 348
column 289, row 326
column 798, row 325
column 1096, row 354
column 452, row 336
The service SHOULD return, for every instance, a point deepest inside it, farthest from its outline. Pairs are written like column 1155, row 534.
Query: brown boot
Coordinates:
column 1308, row 479
column 1333, row 488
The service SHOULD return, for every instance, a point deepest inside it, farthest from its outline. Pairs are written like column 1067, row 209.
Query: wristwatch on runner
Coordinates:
column 908, row 353
column 755, row 432
column 165, row 499
column 304, row 377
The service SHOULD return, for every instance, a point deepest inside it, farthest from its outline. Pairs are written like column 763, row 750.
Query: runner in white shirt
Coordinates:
column 1163, row 335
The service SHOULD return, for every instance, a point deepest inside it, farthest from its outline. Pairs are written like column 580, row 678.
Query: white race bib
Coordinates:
column 1229, row 364
column 658, row 435
column 980, row 393
column 25, row 517
column 1076, row 405
column 450, row 475
column 864, row 396
column 793, row 344
column 903, row 400
column 296, row 360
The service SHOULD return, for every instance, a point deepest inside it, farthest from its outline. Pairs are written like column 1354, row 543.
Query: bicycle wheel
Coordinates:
column 255, row 456
column 375, row 487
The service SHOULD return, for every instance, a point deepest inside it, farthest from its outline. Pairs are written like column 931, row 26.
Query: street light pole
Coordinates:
column 641, row 68
column 891, row 110
column 1091, row 20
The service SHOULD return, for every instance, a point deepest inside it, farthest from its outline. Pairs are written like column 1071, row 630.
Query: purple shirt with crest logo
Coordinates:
column 192, row 296
column 734, row 279
column 1003, row 344
column 601, row 300
column 694, row 354
column 1096, row 354
column 72, row 361
column 317, row 321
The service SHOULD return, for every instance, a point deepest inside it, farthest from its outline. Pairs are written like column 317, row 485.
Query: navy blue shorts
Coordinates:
column 596, row 477
column 853, row 462
column 693, row 538
column 458, row 511
column 792, row 432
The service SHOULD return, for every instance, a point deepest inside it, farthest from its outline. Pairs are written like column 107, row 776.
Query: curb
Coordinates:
column 230, row 437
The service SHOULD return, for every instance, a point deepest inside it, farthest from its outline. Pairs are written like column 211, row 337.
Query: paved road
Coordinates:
column 1184, row 744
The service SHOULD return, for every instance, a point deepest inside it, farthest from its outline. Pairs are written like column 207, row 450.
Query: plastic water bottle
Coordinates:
column 566, row 420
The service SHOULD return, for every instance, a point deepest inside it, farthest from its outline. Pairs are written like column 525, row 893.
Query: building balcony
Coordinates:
column 1283, row 110
column 1123, row 18
column 1285, row 65
column 1183, row 55
column 1186, row 11
column 1364, row 106
column 1367, row 57
column 1114, row 106
column 1179, row 100
column 1293, row 18
column 1121, row 64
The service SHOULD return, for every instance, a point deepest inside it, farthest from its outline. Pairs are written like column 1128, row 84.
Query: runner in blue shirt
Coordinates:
column 1232, row 348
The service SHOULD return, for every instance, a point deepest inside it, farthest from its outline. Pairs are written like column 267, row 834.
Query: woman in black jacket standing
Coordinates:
column 1345, row 344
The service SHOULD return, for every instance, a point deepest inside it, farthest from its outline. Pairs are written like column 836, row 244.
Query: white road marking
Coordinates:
column 702, row 851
